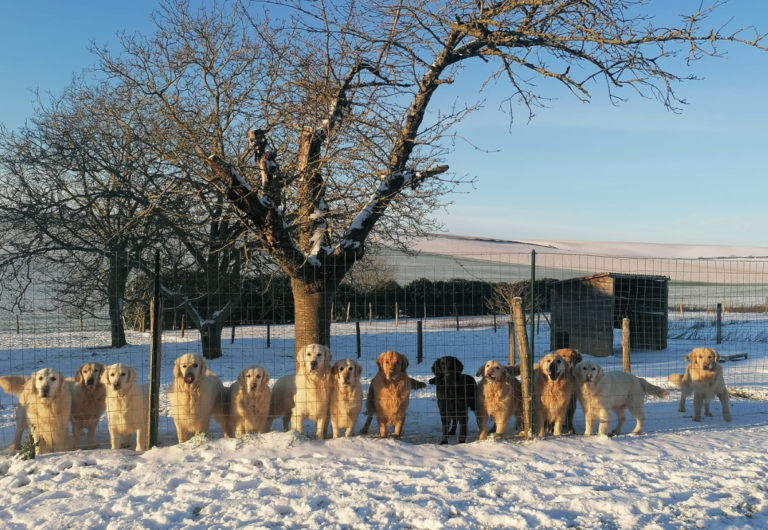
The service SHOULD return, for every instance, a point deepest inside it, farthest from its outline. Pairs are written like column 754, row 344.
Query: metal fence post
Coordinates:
column 156, row 310
column 719, row 336
column 419, row 343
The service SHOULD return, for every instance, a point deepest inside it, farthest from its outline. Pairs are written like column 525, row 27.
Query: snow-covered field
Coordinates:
column 679, row 474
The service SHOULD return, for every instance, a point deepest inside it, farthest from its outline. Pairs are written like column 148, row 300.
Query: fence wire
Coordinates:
column 426, row 308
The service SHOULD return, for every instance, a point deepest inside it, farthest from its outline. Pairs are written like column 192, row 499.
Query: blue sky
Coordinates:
column 577, row 171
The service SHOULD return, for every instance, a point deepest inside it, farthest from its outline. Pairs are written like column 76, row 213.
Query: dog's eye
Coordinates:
column 40, row 378
column 194, row 365
column 258, row 377
column 53, row 379
column 122, row 373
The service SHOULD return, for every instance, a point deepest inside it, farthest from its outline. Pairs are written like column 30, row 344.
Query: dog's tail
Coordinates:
column 13, row 384
column 416, row 384
column 653, row 390
column 676, row 379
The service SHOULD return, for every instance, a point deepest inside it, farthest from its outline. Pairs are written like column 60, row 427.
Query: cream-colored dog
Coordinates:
column 126, row 406
column 248, row 399
column 195, row 395
column 602, row 392
column 499, row 396
column 45, row 406
column 346, row 396
column 89, row 401
column 306, row 395
column 704, row 379
column 553, row 390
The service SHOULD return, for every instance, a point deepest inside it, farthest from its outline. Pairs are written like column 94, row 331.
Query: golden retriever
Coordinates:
column 306, row 395
column 248, row 399
column 346, row 396
column 389, row 394
column 553, row 391
column 704, row 379
column 499, row 396
column 602, row 392
column 89, row 402
column 195, row 395
column 45, row 406
column 573, row 357
column 126, row 406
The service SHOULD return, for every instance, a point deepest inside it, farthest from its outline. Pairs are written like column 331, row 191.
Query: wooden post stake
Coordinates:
column 626, row 364
column 511, row 340
column 18, row 327
column 349, row 305
column 370, row 314
column 182, row 325
column 155, row 347
column 268, row 337
column 397, row 314
column 525, row 372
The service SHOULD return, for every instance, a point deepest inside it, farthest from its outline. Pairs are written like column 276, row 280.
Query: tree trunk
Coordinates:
column 119, row 267
column 312, row 302
column 210, row 338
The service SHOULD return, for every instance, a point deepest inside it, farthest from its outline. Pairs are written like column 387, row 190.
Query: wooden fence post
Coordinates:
column 626, row 364
column 525, row 365
column 511, row 340
column 156, row 328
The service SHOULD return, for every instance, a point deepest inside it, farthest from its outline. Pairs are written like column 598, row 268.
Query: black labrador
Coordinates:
column 456, row 393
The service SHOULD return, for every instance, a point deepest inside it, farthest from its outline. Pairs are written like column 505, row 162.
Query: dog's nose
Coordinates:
column 313, row 365
column 116, row 386
column 44, row 391
column 89, row 381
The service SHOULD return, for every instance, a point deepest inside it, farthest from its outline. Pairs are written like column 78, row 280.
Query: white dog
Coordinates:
column 308, row 393
column 196, row 394
column 126, row 406
column 704, row 379
column 249, row 398
column 602, row 392
column 45, row 405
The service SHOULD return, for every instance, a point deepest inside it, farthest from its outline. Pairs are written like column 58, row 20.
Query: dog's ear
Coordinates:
column 459, row 366
column 79, row 379
column 378, row 361
column 177, row 369
column 358, row 369
column 133, row 375
column 405, row 361
column 241, row 378
column 717, row 356
column 203, row 365
column 264, row 378
column 334, row 370
column 328, row 356
column 481, row 371
column 433, row 367
column 104, row 379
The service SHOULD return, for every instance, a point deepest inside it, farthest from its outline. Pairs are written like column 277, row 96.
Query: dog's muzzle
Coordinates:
column 90, row 382
column 116, row 386
column 45, row 391
column 313, row 366
column 554, row 375
column 189, row 378
column 489, row 375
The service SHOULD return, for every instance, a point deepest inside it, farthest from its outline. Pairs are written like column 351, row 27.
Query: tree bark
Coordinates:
column 210, row 338
column 118, row 275
column 312, row 317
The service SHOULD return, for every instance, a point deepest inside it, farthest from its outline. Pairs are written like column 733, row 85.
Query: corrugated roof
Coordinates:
column 616, row 275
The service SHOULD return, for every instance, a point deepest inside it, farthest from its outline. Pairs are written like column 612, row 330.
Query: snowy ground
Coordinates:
column 678, row 475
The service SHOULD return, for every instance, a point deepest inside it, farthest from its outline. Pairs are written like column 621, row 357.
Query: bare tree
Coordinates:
column 349, row 142
column 76, row 202
column 373, row 270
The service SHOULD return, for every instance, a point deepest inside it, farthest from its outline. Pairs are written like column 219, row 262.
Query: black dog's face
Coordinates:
column 447, row 366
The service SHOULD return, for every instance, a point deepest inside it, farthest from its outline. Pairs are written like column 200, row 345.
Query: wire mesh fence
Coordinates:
column 426, row 308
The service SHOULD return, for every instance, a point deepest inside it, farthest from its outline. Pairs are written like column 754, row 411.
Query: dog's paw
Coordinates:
column 697, row 418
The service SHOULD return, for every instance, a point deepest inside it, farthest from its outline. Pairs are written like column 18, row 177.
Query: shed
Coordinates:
column 586, row 310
